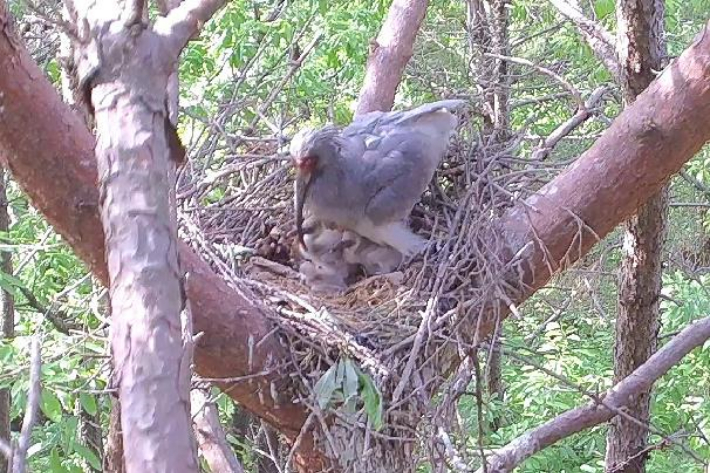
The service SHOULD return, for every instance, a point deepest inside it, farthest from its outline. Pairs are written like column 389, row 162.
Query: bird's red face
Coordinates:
column 305, row 164
column 304, row 174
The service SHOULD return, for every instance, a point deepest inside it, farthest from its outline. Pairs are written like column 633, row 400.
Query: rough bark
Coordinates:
column 494, row 381
column 89, row 429
column 501, row 46
column 598, row 38
column 150, row 341
column 7, row 309
column 7, row 316
column 56, row 168
column 487, row 23
column 113, row 456
column 641, row 49
column 647, row 143
column 389, row 55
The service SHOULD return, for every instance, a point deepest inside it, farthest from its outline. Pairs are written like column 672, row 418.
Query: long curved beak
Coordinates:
column 301, row 192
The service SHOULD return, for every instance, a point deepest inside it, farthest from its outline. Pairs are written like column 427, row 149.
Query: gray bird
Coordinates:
column 374, row 258
column 325, row 268
column 367, row 177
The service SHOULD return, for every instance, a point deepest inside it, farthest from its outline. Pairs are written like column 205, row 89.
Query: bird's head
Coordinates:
column 311, row 150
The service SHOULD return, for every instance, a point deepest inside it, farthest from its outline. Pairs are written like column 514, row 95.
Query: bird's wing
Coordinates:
column 396, row 174
column 382, row 123
column 367, row 131
column 396, row 154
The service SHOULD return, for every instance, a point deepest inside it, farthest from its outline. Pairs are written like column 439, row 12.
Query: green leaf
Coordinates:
column 325, row 387
column 322, row 7
column 10, row 283
column 51, row 406
column 350, row 381
column 603, row 8
column 88, row 402
column 373, row 401
column 55, row 462
column 88, row 455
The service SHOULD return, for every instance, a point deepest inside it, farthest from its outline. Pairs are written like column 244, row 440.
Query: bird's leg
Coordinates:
column 395, row 234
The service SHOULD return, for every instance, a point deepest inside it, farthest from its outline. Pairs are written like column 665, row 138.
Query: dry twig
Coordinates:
column 19, row 460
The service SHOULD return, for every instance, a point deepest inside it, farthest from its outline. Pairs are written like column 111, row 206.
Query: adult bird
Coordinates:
column 367, row 177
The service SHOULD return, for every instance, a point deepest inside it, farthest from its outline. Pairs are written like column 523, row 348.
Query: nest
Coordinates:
column 400, row 330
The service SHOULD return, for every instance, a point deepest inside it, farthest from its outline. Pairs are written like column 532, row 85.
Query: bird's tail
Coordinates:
column 433, row 119
column 428, row 111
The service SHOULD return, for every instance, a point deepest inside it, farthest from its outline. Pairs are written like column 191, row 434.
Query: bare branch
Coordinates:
column 59, row 319
column 581, row 418
column 20, row 455
column 184, row 22
column 567, row 127
column 389, row 55
column 564, row 82
column 210, row 435
column 598, row 38
column 694, row 182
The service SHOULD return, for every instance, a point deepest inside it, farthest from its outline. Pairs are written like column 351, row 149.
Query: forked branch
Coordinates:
column 184, row 22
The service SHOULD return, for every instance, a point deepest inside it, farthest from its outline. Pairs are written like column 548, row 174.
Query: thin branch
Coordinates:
column 20, row 455
column 598, row 38
column 694, row 182
column 582, row 115
column 479, row 407
column 548, row 72
column 581, row 418
column 59, row 319
column 210, row 435
column 184, row 22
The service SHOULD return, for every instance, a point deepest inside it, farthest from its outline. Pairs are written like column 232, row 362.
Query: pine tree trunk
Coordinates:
column 641, row 51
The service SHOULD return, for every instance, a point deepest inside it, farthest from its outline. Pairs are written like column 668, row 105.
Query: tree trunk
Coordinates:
column 7, row 315
column 389, row 55
column 487, row 23
column 150, row 342
column 113, row 456
column 494, row 380
column 641, row 51
column 66, row 193
column 89, row 431
column 501, row 83
column 89, row 425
